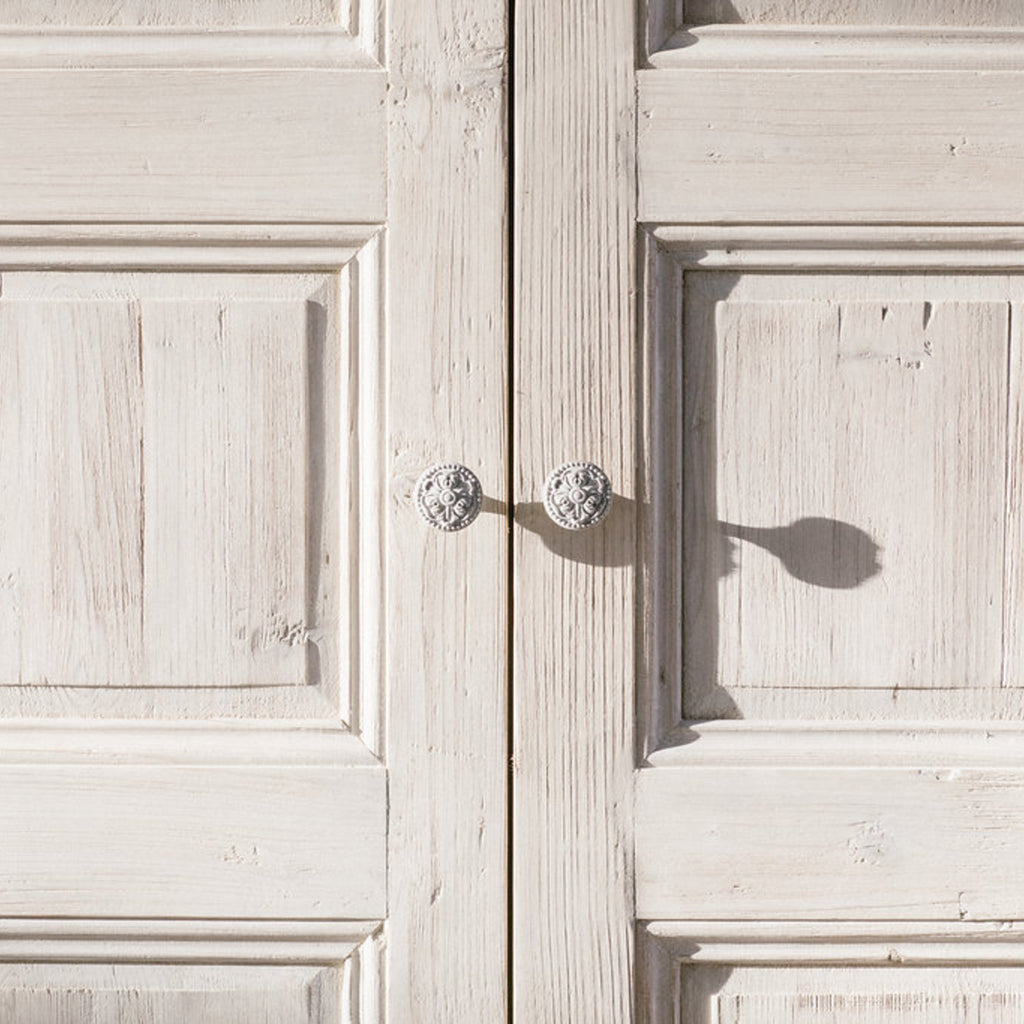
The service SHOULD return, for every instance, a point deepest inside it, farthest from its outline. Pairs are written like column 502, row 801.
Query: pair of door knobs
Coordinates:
column 576, row 495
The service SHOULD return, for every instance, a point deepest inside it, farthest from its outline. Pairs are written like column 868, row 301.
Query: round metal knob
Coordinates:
column 577, row 495
column 449, row 496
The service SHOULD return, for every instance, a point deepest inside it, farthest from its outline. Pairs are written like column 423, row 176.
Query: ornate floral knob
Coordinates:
column 449, row 496
column 577, row 495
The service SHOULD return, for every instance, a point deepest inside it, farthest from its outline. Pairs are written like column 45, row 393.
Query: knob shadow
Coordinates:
column 610, row 543
column 823, row 552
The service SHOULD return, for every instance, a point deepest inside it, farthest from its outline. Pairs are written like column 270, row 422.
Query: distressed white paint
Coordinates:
column 216, row 378
column 172, row 13
column 448, row 394
column 860, row 806
column 848, row 458
column 958, row 13
column 574, row 592
column 864, row 995
column 743, row 146
column 151, row 555
column 192, row 145
column 165, row 994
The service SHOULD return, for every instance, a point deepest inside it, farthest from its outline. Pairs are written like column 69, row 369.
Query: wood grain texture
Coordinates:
column 71, row 555
column 574, row 595
column 864, row 995
column 739, row 146
column 838, row 48
column 135, row 994
column 850, row 844
column 193, row 841
column 178, row 455
column 854, row 12
column 809, row 530
column 226, row 493
column 198, row 497
column 162, row 144
column 446, row 614
column 161, row 13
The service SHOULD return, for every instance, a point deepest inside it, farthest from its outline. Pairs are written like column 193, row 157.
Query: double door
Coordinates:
column 745, row 750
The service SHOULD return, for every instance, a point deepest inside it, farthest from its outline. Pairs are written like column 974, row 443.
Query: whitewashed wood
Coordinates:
column 82, row 741
column 771, row 601
column 835, row 47
column 739, row 744
column 736, row 146
column 853, row 12
column 871, row 843
column 193, row 841
column 865, row 995
column 574, row 594
column 803, row 943
column 446, row 623
column 184, row 145
column 163, row 13
column 70, row 554
column 799, row 249
column 112, row 940
column 128, row 994
column 831, row 247
column 687, row 964
column 298, row 248
column 192, row 48
column 215, row 548
column 227, row 491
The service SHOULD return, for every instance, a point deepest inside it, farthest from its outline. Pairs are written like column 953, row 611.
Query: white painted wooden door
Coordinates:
column 252, row 710
column 769, row 764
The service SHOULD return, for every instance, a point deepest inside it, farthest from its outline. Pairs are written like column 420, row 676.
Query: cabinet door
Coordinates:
column 252, row 711
column 767, row 720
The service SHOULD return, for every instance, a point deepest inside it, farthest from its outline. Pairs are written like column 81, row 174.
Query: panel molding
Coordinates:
column 353, row 692
column 165, row 246
column 835, row 47
column 666, row 252
column 664, row 947
column 812, row 744
column 320, row 48
column 232, row 940
column 729, row 143
column 193, row 143
column 854, row 247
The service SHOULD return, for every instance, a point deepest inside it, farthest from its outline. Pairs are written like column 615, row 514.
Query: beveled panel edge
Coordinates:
column 839, row 942
column 663, row 947
column 165, row 246
column 922, row 745
column 181, row 743
column 69, row 48
column 121, row 940
column 833, row 47
column 842, row 247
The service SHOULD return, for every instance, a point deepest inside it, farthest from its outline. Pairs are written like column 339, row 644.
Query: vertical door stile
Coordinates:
column 573, row 643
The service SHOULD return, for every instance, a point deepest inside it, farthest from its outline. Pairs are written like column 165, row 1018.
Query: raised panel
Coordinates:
column 966, row 13
column 814, row 842
column 846, row 496
column 191, row 841
column 182, row 517
column 731, row 144
column 192, row 145
column 173, row 13
column 166, row 994
column 850, row 995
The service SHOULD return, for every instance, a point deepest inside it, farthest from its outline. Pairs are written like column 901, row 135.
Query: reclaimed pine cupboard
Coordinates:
column 279, row 279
